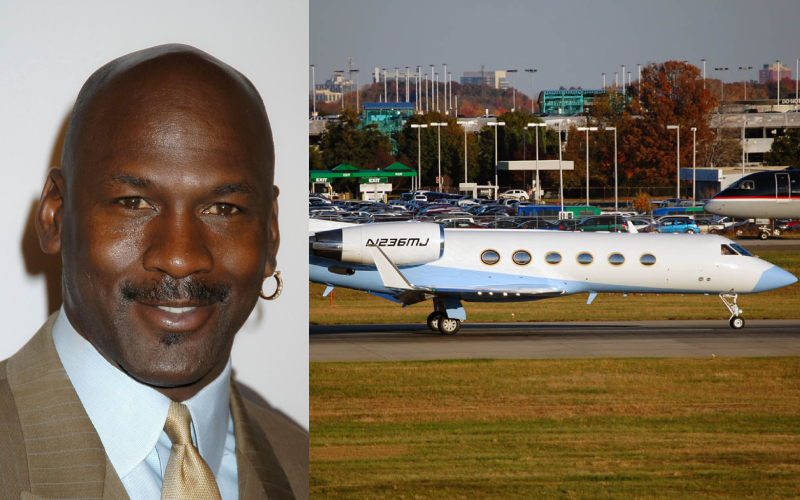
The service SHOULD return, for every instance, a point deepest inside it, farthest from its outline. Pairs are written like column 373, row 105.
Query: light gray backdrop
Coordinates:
column 48, row 50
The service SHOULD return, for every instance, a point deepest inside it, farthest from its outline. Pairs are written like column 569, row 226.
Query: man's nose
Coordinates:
column 178, row 246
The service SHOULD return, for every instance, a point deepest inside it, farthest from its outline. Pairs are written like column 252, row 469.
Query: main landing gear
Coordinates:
column 729, row 299
column 439, row 322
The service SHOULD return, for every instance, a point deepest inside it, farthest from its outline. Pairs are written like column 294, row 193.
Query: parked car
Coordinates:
column 709, row 226
column 614, row 224
column 676, row 225
column 514, row 194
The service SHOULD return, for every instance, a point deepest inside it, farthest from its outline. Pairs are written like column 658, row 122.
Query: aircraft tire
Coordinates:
column 763, row 236
column 449, row 326
column 433, row 320
column 737, row 323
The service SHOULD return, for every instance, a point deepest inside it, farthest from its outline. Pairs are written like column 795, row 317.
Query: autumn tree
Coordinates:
column 670, row 93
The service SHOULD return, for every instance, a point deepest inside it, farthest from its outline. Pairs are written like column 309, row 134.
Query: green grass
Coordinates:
column 355, row 307
column 519, row 429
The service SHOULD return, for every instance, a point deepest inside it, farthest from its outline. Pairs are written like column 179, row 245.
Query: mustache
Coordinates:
column 169, row 289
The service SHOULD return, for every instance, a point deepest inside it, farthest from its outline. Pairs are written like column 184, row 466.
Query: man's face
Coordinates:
column 167, row 233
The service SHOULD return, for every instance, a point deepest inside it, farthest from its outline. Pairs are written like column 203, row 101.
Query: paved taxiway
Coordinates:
column 555, row 340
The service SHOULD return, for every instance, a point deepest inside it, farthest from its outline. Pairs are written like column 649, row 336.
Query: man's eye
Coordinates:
column 221, row 209
column 134, row 203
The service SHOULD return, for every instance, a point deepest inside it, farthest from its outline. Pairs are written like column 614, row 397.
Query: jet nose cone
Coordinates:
column 773, row 278
column 712, row 206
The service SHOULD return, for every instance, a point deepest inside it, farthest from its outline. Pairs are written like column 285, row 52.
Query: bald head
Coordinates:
column 179, row 95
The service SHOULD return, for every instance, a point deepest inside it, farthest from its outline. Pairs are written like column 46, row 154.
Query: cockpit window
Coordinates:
column 741, row 250
column 727, row 250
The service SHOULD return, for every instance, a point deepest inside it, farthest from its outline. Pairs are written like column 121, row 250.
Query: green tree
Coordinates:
column 785, row 150
column 314, row 159
column 346, row 141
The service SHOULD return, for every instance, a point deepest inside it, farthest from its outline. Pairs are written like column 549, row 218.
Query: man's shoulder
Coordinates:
column 289, row 441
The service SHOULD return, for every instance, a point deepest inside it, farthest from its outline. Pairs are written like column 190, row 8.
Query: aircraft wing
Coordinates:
column 409, row 293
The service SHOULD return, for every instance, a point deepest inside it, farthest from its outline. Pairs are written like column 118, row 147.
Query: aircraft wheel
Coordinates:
column 737, row 323
column 763, row 236
column 449, row 326
column 433, row 320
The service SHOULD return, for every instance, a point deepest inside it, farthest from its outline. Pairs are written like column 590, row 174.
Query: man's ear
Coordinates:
column 48, row 215
column 274, row 235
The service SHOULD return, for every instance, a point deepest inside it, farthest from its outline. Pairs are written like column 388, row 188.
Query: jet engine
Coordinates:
column 403, row 243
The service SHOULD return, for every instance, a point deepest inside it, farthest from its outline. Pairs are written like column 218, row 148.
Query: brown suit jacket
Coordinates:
column 50, row 449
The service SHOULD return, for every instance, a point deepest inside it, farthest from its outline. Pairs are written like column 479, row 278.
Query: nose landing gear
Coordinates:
column 729, row 299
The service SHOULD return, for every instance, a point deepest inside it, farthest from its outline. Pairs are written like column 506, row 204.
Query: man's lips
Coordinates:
column 175, row 318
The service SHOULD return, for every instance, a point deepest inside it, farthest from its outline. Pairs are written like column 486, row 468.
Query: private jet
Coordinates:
column 411, row 262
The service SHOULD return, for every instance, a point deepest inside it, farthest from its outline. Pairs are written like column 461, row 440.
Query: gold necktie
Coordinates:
column 187, row 477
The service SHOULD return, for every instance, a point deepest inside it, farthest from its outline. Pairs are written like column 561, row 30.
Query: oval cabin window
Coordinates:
column 521, row 258
column 553, row 258
column 490, row 257
column 616, row 259
column 647, row 259
column 585, row 258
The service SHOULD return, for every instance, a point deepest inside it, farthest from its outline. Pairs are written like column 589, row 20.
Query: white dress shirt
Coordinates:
column 129, row 418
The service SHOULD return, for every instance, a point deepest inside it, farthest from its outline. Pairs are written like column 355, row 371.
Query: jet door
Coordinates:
column 783, row 188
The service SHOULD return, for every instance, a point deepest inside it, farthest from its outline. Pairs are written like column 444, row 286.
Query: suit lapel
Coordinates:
column 260, row 472
column 65, row 456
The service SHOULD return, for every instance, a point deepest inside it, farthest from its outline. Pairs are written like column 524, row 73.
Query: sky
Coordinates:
column 569, row 42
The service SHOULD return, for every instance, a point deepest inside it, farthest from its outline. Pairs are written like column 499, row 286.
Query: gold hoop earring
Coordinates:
column 278, row 290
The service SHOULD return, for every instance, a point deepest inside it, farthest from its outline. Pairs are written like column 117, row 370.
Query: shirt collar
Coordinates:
column 129, row 416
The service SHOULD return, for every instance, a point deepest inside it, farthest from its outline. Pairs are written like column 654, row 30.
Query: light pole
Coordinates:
column 341, row 87
column 623, row 83
column 694, row 165
column 385, row 89
column 678, row 186
column 639, row 81
column 313, row 90
column 514, row 106
column 419, row 151
column 449, row 92
column 744, row 144
column 745, row 68
column 396, row 84
column 439, row 126
column 588, row 129
column 721, row 86
column 537, row 125
column 406, row 84
column 495, row 125
column 616, row 184
column 358, row 90
column 464, row 126
column 533, row 89
column 432, row 81
column 704, row 73
column 560, row 168
column 444, row 75
column 604, row 80
column 436, row 91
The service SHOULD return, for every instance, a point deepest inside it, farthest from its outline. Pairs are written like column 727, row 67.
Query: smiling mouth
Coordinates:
column 177, row 310
column 175, row 319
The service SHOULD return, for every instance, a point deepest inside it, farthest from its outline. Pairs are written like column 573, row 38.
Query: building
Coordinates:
column 567, row 102
column 494, row 79
column 769, row 73
column 326, row 95
column 389, row 117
